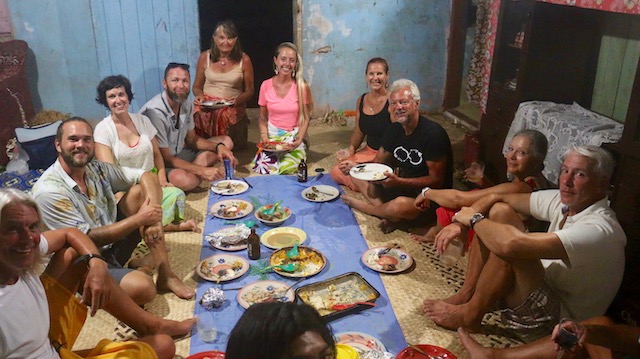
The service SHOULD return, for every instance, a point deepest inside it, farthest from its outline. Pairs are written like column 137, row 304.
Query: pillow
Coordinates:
column 38, row 143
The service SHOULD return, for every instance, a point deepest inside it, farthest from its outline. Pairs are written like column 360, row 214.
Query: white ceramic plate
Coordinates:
column 400, row 259
column 231, row 209
column 362, row 342
column 370, row 171
column 217, row 104
column 229, row 187
column 283, row 237
column 323, row 193
column 229, row 247
column 264, row 291
column 222, row 267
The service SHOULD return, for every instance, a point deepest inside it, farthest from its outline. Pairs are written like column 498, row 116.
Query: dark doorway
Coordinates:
column 262, row 26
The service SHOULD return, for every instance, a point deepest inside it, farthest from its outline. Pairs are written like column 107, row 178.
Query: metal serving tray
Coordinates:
column 349, row 288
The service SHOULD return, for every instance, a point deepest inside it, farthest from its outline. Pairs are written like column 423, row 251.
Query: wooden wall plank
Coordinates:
column 101, row 38
column 131, row 38
column 151, row 69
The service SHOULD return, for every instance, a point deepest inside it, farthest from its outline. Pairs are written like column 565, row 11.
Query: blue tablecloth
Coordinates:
column 332, row 229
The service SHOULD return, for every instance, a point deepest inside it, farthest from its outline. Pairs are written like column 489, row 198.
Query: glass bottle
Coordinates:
column 302, row 171
column 253, row 245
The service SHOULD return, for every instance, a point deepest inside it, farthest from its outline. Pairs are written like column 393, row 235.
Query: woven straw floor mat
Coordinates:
column 427, row 279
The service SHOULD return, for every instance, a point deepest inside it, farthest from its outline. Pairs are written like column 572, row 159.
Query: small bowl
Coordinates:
column 275, row 221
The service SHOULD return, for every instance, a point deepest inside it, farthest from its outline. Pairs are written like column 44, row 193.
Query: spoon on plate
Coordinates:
column 317, row 191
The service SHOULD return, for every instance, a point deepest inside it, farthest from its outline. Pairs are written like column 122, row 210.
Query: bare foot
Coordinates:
column 386, row 226
column 174, row 284
column 476, row 351
column 450, row 316
column 144, row 263
column 428, row 237
column 173, row 328
column 351, row 201
column 189, row 225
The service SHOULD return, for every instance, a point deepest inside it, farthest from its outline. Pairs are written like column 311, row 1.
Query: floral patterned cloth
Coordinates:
column 279, row 163
column 564, row 126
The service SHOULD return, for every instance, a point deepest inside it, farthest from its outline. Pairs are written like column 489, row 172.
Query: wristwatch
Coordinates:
column 475, row 218
column 87, row 257
column 424, row 190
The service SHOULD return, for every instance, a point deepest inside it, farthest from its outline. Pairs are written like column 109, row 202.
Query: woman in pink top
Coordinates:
column 224, row 75
column 283, row 122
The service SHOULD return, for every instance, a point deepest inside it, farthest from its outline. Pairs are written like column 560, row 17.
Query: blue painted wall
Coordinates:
column 340, row 36
column 75, row 43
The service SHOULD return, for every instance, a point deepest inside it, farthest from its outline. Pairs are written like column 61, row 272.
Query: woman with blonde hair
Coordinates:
column 285, row 103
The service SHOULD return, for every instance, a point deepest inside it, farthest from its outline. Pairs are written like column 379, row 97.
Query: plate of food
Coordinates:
column 320, row 193
column 387, row 259
column 272, row 218
column 212, row 354
column 265, row 291
column 229, row 187
column 222, row 267
column 370, row 171
column 362, row 342
column 274, row 146
column 309, row 262
column 231, row 209
column 283, row 237
column 432, row 351
column 232, row 238
column 215, row 104
column 338, row 296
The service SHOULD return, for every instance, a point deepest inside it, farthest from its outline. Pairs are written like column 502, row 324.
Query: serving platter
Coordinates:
column 222, row 267
column 387, row 260
column 370, row 171
column 345, row 289
column 231, row 209
column 283, row 237
column 320, row 193
column 311, row 262
column 229, row 187
column 265, row 291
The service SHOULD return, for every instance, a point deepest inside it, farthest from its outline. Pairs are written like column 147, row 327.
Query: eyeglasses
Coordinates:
column 173, row 65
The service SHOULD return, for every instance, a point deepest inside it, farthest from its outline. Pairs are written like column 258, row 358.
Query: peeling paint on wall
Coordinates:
column 322, row 50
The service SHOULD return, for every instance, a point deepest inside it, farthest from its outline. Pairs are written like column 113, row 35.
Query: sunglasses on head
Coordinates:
column 173, row 65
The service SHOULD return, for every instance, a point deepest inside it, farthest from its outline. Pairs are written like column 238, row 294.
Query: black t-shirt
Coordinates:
column 428, row 142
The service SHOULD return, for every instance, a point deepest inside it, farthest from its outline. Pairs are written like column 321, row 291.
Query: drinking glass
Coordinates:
column 452, row 252
column 569, row 332
column 207, row 330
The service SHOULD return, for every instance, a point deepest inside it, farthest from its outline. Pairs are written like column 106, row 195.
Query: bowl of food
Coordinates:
column 273, row 216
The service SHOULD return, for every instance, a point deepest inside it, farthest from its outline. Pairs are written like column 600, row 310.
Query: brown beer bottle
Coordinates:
column 302, row 171
column 253, row 245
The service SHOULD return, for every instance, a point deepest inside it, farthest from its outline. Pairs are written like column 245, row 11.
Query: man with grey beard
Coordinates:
column 188, row 157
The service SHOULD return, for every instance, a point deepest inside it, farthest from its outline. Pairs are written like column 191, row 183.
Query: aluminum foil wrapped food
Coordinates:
column 230, row 235
column 212, row 298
